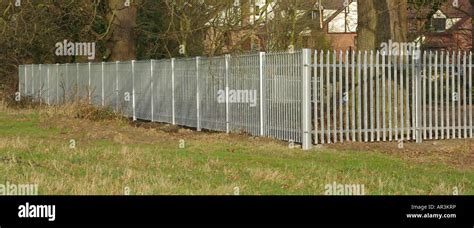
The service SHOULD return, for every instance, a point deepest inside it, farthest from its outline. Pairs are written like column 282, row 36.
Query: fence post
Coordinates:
column 48, row 86
column 198, row 103
column 39, row 87
column 19, row 81
column 66, row 84
column 133, row 91
column 77, row 82
column 117, row 86
column 262, row 98
column 227, row 57
column 57, row 83
column 151, row 89
column 418, row 98
column 32, row 82
column 89, row 84
column 172, row 92
column 25, row 86
column 306, row 99
column 102, row 82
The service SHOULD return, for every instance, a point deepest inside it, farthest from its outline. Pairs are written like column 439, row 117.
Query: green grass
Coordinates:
column 34, row 152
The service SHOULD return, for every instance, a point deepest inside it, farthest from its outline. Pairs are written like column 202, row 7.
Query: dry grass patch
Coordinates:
column 113, row 155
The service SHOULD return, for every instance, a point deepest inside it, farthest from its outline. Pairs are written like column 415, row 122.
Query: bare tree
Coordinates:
column 122, row 20
column 380, row 21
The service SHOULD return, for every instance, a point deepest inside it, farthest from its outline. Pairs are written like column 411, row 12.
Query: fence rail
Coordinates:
column 308, row 97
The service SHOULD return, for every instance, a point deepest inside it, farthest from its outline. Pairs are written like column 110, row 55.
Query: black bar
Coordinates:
column 240, row 210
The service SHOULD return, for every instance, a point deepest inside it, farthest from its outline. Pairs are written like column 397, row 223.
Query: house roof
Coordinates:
column 447, row 9
column 451, row 12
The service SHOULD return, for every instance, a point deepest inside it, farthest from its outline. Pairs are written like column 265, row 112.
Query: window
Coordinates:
column 438, row 24
column 315, row 15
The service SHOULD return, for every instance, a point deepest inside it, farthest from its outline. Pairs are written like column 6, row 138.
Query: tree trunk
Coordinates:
column 379, row 21
column 398, row 15
column 472, row 23
column 122, row 20
column 367, row 25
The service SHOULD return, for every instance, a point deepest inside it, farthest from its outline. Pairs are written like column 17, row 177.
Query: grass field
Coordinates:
column 113, row 156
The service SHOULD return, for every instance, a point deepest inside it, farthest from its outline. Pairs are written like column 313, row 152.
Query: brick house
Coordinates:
column 335, row 21
column 339, row 23
column 449, row 28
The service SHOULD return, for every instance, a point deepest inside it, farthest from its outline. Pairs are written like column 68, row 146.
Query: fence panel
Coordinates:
column 212, row 92
column 28, row 80
column 71, row 82
column 185, row 92
column 365, row 97
column 36, row 82
column 61, row 83
column 143, row 89
column 43, row 82
column 125, row 88
column 244, row 94
column 96, row 83
column 53, row 84
column 110, row 85
column 83, row 82
column 162, row 91
column 283, row 96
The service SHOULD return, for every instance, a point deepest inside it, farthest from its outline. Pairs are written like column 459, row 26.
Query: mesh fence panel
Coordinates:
column 283, row 96
column 96, row 84
column 53, row 84
column 35, row 85
column 185, row 92
column 28, row 80
column 162, row 91
column 43, row 82
column 83, row 82
column 110, row 85
column 125, row 88
column 244, row 93
column 142, row 90
column 71, row 82
column 211, row 89
column 62, row 83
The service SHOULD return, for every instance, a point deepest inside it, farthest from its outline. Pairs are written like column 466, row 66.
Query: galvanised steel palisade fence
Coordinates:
column 306, row 97
column 373, row 96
